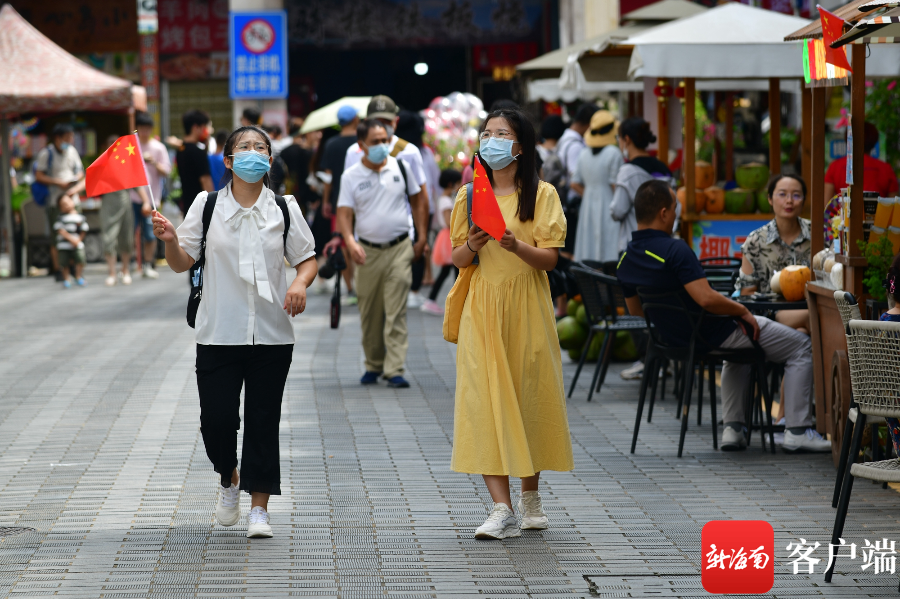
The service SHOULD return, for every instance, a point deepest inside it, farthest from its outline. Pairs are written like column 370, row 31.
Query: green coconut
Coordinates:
column 624, row 348
column 593, row 351
column 762, row 201
column 571, row 333
column 738, row 201
column 596, row 344
column 581, row 315
column 752, row 176
column 572, row 307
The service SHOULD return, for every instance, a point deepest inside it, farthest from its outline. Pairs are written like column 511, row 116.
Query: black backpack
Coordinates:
column 197, row 268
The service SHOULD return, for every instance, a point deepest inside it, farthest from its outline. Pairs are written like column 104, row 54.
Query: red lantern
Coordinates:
column 679, row 91
column 662, row 90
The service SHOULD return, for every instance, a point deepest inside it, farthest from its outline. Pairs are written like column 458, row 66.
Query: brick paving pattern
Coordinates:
column 101, row 454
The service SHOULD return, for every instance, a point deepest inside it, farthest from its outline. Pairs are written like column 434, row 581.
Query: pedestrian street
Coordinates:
column 101, row 459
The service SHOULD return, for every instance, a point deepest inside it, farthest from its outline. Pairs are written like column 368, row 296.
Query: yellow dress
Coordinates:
column 510, row 415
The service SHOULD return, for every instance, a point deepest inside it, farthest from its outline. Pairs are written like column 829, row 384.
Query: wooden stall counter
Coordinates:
column 831, row 369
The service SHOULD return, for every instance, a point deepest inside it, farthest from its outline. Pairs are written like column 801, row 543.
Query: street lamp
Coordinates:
column 421, row 68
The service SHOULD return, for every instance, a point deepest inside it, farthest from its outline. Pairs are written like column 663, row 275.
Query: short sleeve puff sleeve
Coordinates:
column 459, row 219
column 549, row 220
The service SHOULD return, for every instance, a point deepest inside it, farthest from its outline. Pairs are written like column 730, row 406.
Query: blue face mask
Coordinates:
column 378, row 153
column 250, row 166
column 496, row 152
column 64, row 146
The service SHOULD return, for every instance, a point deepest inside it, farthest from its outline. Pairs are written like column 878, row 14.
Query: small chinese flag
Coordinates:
column 485, row 210
column 832, row 29
column 119, row 168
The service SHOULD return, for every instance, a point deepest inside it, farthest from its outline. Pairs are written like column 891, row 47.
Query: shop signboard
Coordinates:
column 722, row 238
column 258, row 45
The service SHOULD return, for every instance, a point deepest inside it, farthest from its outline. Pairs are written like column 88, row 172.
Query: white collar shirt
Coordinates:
column 410, row 155
column 379, row 200
column 244, row 283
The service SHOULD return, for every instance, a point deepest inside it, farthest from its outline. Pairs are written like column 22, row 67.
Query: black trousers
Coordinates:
column 442, row 276
column 221, row 373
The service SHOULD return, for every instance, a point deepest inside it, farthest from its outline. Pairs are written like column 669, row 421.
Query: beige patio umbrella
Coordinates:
column 325, row 117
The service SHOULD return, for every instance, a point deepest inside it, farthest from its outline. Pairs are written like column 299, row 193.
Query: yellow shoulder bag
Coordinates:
column 456, row 299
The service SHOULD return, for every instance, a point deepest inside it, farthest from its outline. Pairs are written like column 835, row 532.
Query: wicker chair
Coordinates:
column 849, row 310
column 874, row 355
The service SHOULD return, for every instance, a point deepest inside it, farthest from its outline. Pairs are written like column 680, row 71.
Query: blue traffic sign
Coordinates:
column 259, row 65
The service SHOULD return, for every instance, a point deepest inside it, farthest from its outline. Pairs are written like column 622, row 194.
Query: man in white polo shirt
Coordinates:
column 379, row 190
column 385, row 110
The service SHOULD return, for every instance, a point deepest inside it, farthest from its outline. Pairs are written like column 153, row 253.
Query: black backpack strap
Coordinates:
column 208, row 210
column 282, row 204
column 405, row 180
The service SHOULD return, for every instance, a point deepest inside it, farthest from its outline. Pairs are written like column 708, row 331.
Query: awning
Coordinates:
column 879, row 27
column 549, row 90
column 730, row 41
column 39, row 76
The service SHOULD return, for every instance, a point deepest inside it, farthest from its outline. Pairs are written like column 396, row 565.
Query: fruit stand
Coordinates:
column 715, row 45
column 832, row 374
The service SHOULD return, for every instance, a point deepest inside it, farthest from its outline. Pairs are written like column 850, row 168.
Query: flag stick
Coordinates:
column 149, row 187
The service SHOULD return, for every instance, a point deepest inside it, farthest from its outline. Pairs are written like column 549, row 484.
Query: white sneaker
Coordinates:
column 110, row 281
column 414, row 300
column 532, row 511
column 500, row 524
column 258, row 523
column 810, row 441
column 323, row 286
column 635, row 371
column 150, row 272
column 228, row 508
column 126, row 278
column 432, row 308
column 732, row 440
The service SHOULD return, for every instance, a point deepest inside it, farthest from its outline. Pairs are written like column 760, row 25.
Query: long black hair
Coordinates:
column 526, row 173
column 232, row 141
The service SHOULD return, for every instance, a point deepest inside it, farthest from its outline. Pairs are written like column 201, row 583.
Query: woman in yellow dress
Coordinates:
column 510, row 417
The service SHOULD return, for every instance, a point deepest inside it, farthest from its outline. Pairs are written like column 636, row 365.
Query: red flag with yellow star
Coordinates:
column 119, row 168
column 832, row 29
column 485, row 210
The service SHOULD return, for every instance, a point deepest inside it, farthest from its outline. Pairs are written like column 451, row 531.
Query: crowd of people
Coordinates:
column 588, row 191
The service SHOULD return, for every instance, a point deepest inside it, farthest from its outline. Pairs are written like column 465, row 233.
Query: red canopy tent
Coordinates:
column 40, row 77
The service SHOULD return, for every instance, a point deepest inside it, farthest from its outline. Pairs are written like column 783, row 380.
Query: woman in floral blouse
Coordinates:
column 781, row 242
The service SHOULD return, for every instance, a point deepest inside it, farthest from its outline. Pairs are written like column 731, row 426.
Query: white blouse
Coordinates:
column 244, row 282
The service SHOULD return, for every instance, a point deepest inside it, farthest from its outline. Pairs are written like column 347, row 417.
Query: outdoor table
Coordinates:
column 764, row 303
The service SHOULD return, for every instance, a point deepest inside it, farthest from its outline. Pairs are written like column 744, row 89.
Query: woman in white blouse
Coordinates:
column 244, row 333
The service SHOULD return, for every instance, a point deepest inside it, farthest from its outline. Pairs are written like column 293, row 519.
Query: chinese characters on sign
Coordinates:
column 193, row 26
column 722, row 238
column 258, row 55
column 738, row 557
column 150, row 66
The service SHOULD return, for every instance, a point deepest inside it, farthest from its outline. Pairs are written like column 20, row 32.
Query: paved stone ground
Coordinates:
column 100, row 453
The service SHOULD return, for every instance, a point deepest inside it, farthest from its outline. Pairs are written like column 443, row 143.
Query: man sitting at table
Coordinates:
column 661, row 263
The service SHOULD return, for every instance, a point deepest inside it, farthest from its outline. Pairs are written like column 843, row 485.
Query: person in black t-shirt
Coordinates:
column 192, row 161
column 296, row 158
column 335, row 152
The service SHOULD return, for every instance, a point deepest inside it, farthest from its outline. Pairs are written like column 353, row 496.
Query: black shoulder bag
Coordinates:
column 197, row 267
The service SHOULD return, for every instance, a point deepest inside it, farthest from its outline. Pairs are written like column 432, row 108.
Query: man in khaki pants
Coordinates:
column 381, row 192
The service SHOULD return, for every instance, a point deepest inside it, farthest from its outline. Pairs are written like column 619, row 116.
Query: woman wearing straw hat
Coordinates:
column 595, row 177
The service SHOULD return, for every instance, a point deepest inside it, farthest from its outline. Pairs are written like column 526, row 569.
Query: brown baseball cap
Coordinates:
column 381, row 107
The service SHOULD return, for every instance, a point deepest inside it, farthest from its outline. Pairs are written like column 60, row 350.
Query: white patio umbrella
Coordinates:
column 325, row 117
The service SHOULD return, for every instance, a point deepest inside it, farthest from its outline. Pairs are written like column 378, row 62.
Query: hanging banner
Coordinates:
column 817, row 72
